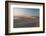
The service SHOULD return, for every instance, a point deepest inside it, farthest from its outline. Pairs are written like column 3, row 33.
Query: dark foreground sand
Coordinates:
column 26, row 22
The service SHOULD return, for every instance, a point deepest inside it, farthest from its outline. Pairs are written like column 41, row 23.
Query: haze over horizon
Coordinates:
column 25, row 12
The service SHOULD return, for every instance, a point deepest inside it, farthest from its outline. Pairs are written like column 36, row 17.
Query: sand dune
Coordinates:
column 22, row 21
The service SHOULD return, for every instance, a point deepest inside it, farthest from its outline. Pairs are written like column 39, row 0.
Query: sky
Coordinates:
column 25, row 12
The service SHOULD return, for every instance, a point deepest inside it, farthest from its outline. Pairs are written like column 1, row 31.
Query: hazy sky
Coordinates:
column 25, row 12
